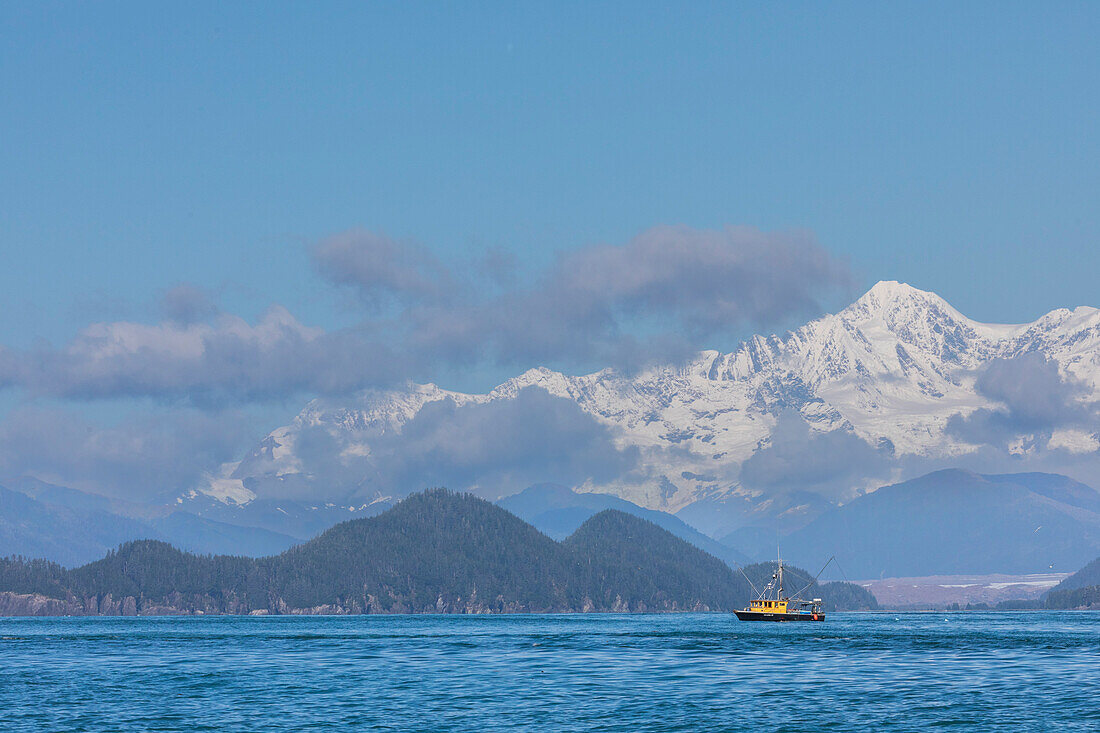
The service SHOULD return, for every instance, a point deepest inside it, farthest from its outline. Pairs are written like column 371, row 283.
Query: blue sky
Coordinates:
column 952, row 146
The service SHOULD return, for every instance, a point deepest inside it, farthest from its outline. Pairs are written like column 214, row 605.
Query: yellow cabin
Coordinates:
column 762, row 606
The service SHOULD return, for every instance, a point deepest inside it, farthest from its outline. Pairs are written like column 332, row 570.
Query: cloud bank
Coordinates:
column 219, row 361
column 797, row 457
column 488, row 447
column 650, row 300
column 501, row 445
column 655, row 298
column 140, row 458
column 1034, row 399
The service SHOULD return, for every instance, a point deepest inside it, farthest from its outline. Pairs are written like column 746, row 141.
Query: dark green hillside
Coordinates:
column 840, row 596
column 559, row 511
column 434, row 552
column 152, row 570
column 18, row 575
column 631, row 563
column 1070, row 598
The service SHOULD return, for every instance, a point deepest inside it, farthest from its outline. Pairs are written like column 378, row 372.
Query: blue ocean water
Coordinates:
column 681, row 672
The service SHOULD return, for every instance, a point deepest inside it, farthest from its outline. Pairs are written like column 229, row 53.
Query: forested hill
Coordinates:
column 434, row 552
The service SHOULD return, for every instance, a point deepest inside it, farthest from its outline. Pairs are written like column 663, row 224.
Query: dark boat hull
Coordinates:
column 758, row 616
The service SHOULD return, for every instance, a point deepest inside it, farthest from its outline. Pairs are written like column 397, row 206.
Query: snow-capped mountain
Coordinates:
column 891, row 369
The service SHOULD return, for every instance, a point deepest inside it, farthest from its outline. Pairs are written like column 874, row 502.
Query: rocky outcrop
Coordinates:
column 34, row 604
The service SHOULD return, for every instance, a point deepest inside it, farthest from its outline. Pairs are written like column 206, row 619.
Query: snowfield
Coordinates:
column 891, row 369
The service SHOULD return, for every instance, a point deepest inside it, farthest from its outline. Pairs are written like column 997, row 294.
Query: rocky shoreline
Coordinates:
column 36, row 604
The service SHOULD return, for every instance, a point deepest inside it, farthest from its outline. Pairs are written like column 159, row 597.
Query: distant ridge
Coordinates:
column 559, row 511
column 66, row 535
column 958, row 522
column 71, row 527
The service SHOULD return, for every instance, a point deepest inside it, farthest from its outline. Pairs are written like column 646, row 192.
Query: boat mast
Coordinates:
column 779, row 562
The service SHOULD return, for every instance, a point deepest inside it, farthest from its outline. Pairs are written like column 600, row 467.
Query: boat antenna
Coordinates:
column 779, row 562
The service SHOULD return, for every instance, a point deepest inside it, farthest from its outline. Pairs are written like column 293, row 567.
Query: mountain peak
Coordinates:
column 886, row 293
column 917, row 316
column 893, row 289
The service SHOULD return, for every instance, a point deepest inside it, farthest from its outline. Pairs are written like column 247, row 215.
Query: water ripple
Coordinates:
column 911, row 672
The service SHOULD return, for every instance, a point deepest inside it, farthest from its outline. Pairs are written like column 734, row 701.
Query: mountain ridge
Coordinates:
column 890, row 371
column 558, row 511
column 434, row 552
column 72, row 527
column 958, row 522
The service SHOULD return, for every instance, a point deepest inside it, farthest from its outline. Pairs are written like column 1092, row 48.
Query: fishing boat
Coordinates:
column 772, row 605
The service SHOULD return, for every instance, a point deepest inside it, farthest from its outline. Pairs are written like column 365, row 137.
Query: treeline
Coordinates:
column 434, row 552
column 22, row 575
column 1087, row 597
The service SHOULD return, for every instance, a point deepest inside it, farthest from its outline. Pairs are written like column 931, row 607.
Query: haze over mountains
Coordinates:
column 71, row 527
column 558, row 512
column 780, row 438
column 957, row 522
